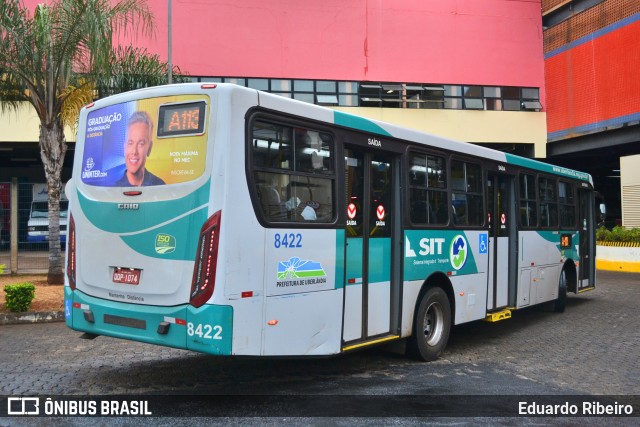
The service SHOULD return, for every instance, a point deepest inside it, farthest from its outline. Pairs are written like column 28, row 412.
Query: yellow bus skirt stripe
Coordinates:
column 628, row 266
column 364, row 344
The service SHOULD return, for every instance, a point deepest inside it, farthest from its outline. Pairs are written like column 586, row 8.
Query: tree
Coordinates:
column 55, row 60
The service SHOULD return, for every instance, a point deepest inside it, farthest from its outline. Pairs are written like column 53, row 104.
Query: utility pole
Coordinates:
column 170, row 65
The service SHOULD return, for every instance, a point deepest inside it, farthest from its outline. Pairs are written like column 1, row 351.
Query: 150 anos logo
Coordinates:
column 165, row 243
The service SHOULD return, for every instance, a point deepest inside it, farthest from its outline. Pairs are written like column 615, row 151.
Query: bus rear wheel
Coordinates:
column 431, row 327
column 560, row 304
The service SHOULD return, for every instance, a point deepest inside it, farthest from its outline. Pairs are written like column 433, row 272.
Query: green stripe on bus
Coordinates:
column 109, row 217
column 354, row 260
column 554, row 238
column 360, row 123
column 534, row 164
column 379, row 259
column 185, row 231
column 339, row 278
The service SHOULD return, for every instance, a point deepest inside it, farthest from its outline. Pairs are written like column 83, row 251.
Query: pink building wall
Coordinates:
column 488, row 42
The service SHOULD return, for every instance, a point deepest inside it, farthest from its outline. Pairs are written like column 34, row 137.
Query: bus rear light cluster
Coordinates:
column 71, row 262
column 204, row 270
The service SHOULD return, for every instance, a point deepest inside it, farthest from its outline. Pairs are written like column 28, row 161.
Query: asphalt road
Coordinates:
column 591, row 349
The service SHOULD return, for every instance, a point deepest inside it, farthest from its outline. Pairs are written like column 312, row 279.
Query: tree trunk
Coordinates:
column 52, row 150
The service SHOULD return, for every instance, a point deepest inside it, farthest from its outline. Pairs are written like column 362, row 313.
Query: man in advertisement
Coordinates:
column 137, row 147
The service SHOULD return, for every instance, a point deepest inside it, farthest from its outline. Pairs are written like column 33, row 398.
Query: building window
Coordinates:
column 235, row 81
column 303, row 85
column 473, row 104
column 327, row 99
column 258, row 84
column 304, row 97
column 473, row 98
column 492, row 97
column 323, row 86
column 395, row 95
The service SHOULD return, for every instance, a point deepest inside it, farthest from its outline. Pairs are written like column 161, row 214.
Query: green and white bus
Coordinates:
column 228, row 221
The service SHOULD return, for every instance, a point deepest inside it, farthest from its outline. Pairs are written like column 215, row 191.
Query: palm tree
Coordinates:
column 55, row 59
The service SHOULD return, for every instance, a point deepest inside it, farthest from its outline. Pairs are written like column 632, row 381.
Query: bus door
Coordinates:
column 371, row 202
column 501, row 290
column 586, row 268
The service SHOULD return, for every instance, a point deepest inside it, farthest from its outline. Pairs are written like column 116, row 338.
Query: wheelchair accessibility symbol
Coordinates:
column 483, row 244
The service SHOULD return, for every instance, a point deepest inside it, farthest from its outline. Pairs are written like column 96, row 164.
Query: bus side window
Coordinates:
column 428, row 189
column 528, row 205
column 467, row 199
column 293, row 173
column 269, row 195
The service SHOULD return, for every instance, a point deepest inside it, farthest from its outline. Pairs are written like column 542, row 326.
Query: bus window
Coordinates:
column 293, row 173
column 567, row 205
column 428, row 194
column 528, row 210
column 548, row 202
column 467, row 200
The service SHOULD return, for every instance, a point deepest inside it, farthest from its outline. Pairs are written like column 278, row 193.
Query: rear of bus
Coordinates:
column 147, row 201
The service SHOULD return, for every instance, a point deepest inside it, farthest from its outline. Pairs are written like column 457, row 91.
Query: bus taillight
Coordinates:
column 71, row 262
column 204, row 271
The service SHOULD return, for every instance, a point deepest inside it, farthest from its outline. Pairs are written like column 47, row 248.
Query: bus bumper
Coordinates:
column 207, row 329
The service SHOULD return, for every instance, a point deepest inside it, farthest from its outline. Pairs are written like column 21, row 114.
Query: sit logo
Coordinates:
column 428, row 246
column 458, row 252
column 458, row 249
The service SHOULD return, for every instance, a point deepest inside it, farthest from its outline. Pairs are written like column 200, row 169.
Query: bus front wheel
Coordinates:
column 431, row 326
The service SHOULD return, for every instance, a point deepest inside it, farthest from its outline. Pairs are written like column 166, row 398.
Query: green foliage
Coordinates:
column 134, row 68
column 2, row 267
column 618, row 234
column 55, row 56
column 20, row 296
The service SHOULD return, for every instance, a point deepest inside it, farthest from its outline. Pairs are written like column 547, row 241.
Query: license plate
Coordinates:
column 130, row 276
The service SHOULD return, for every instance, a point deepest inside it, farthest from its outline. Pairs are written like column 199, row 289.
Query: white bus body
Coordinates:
column 248, row 245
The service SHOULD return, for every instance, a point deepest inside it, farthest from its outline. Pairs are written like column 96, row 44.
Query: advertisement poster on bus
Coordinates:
column 155, row 141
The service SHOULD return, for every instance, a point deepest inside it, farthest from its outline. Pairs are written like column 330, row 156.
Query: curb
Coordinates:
column 618, row 256
column 31, row 317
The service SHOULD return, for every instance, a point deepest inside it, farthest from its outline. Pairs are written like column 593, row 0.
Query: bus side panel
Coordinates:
column 304, row 295
column 308, row 324
column 410, row 292
column 462, row 255
column 540, row 264
column 240, row 267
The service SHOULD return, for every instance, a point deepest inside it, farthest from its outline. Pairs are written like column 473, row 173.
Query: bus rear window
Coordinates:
column 155, row 141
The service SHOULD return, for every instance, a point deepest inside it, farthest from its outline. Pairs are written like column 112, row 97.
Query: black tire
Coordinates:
column 431, row 326
column 561, row 303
